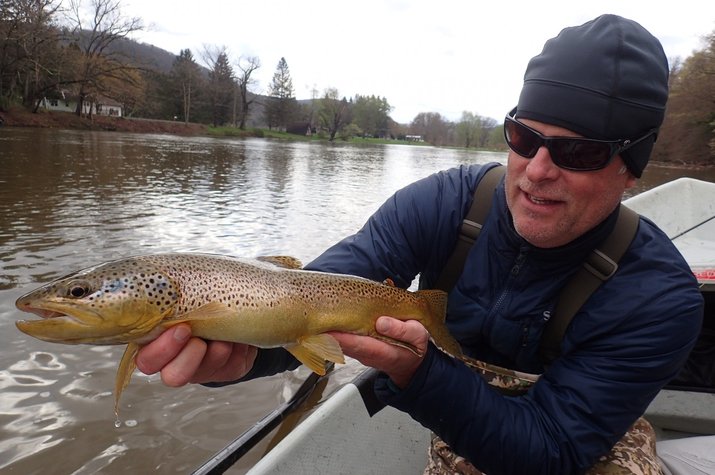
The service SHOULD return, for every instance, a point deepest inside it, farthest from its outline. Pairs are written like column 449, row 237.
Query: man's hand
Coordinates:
column 398, row 363
column 183, row 359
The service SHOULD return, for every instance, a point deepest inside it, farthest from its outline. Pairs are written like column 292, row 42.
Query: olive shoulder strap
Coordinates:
column 600, row 265
column 471, row 227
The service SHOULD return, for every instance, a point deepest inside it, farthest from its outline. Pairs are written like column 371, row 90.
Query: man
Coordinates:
column 581, row 134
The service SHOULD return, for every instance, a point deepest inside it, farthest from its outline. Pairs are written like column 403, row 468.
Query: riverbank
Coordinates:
column 63, row 120
column 18, row 117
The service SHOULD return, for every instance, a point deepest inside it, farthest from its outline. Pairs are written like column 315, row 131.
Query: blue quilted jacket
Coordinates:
column 625, row 343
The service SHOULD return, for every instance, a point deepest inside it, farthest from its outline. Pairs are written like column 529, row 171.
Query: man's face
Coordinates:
column 552, row 206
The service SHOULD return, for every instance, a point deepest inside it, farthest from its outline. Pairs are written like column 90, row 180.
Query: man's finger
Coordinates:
column 157, row 354
column 411, row 331
column 217, row 355
column 181, row 369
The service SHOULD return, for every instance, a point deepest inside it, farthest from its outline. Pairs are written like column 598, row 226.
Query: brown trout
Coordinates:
column 266, row 302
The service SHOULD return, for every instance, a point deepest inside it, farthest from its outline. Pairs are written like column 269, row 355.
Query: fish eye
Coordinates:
column 78, row 290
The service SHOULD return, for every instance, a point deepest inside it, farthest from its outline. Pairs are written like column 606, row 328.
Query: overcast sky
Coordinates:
column 443, row 56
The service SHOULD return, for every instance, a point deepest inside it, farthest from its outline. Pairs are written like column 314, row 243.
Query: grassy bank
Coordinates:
column 275, row 134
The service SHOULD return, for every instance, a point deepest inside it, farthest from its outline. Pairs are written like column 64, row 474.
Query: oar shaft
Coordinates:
column 229, row 455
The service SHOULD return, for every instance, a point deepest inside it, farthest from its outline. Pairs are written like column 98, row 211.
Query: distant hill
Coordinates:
column 145, row 55
column 157, row 59
column 154, row 58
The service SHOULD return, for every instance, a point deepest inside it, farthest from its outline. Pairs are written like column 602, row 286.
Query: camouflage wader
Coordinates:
column 634, row 454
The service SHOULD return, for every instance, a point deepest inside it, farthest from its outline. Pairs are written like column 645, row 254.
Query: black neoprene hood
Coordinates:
column 606, row 79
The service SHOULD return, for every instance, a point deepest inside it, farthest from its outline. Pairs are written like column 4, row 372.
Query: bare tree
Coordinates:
column 334, row 112
column 29, row 53
column 95, row 32
column 247, row 66
column 186, row 75
column 432, row 126
column 468, row 129
column 688, row 131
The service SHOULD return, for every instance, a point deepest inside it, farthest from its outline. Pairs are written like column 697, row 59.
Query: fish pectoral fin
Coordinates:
column 205, row 312
column 312, row 351
column 416, row 351
column 127, row 365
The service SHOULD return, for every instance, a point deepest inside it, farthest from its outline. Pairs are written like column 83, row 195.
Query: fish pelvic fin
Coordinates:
column 436, row 301
column 314, row 350
column 287, row 262
column 127, row 365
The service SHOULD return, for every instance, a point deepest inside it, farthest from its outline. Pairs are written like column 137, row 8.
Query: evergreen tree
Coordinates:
column 282, row 104
column 371, row 114
column 221, row 89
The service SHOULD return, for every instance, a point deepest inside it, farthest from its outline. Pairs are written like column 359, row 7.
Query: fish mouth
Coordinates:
column 59, row 322
column 43, row 313
column 60, row 310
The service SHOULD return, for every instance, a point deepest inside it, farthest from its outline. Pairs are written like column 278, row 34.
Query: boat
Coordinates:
column 352, row 429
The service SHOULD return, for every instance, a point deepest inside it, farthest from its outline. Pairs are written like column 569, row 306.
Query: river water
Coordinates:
column 70, row 199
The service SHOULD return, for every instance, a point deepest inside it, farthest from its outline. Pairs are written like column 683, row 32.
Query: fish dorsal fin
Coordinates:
column 287, row 262
column 124, row 373
column 389, row 282
column 313, row 350
column 209, row 311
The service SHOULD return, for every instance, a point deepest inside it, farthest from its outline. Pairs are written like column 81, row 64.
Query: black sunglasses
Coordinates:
column 571, row 153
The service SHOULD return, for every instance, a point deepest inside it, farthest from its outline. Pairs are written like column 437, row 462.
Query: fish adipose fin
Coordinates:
column 127, row 365
column 313, row 350
column 436, row 301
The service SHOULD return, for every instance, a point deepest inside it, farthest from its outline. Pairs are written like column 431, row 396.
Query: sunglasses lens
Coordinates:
column 578, row 154
column 521, row 140
column 570, row 153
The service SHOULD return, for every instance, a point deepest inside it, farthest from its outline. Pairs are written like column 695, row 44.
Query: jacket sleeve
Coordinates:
column 615, row 358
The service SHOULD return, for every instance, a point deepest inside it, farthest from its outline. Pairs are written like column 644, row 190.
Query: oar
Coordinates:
column 229, row 455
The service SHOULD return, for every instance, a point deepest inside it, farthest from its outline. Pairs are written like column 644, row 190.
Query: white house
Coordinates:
column 65, row 102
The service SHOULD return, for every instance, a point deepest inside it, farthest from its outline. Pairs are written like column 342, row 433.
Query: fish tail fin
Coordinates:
column 436, row 301
column 124, row 373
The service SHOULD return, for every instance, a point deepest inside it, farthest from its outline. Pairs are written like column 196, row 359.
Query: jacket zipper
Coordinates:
column 513, row 273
